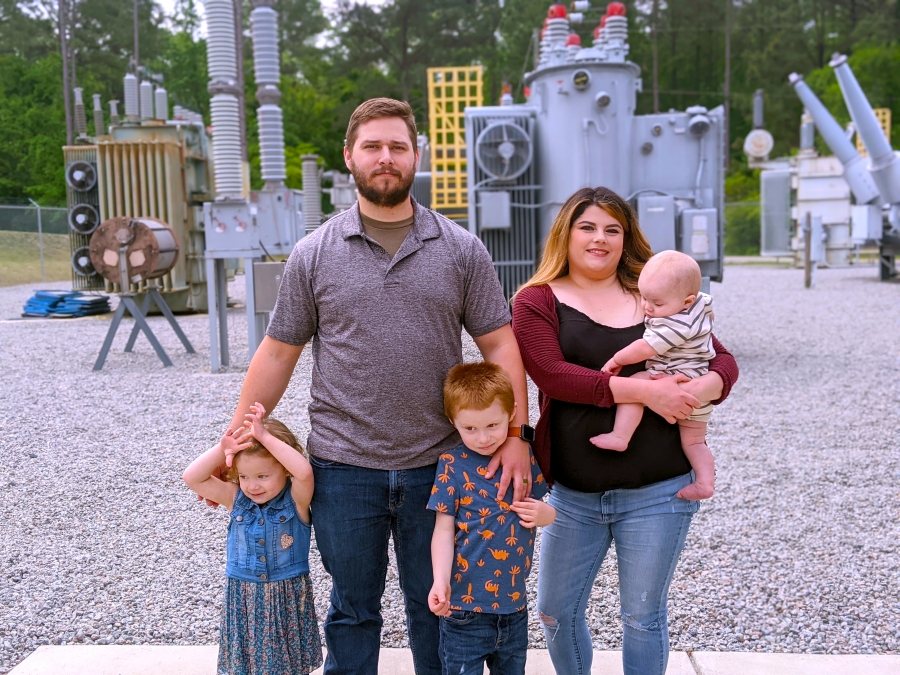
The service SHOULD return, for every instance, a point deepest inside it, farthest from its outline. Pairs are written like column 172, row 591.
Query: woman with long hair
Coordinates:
column 582, row 306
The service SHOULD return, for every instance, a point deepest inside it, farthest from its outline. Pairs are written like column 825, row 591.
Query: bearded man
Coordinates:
column 383, row 291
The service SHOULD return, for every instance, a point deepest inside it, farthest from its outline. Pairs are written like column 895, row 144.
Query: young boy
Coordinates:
column 482, row 547
column 677, row 340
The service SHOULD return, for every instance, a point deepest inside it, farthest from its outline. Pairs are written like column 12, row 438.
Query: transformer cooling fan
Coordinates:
column 81, row 176
column 81, row 262
column 84, row 219
column 503, row 150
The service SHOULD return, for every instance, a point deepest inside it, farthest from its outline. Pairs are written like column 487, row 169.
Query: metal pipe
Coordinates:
column 160, row 182
column 151, row 181
column 758, row 109
column 859, row 180
column 141, row 154
column 102, row 177
column 135, row 186
column 883, row 163
column 98, row 117
column 40, row 236
column 116, row 180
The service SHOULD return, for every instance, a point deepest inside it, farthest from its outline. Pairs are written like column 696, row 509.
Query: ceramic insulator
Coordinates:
column 226, row 141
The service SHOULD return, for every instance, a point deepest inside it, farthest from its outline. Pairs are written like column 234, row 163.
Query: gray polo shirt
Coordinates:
column 385, row 332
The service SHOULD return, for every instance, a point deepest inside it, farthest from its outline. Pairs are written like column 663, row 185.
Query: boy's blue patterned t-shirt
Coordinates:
column 492, row 554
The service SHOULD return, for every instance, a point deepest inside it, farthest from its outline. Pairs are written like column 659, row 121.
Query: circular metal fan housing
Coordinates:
column 503, row 150
column 81, row 262
column 81, row 176
column 84, row 219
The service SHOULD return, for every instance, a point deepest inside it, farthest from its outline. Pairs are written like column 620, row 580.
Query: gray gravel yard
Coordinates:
column 101, row 542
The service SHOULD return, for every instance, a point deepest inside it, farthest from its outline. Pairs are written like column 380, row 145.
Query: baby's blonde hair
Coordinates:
column 682, row 271
column 280, row 431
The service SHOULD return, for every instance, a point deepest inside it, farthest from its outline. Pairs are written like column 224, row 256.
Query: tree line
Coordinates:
column 691, row 52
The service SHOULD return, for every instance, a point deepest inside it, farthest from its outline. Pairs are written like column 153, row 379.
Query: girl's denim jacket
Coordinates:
column 267, row 542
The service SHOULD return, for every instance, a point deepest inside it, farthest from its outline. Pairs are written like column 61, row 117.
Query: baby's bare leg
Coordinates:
column 693, row 442
column 628, row 416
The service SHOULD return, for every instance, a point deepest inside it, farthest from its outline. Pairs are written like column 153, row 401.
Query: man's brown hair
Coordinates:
column 376, row 108
column 280, row 431
column 475, row 386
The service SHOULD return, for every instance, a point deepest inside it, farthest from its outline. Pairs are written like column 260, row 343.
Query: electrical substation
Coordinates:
column 501, row 171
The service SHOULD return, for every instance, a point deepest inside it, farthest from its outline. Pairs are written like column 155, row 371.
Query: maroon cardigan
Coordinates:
column 536, row 326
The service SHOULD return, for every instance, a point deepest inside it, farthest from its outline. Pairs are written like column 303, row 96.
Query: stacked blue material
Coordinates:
column 65, row 304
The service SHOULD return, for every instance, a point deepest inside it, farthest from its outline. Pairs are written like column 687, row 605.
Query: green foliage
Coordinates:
column 332, row 63
column 33, row 123
column 877, row 68
column 742, row 213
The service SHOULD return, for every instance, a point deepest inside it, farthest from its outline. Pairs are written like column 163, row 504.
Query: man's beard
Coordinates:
column 388, row 197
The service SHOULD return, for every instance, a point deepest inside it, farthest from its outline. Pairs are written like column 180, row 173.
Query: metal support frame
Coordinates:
column 126, row 302
column 217, row 294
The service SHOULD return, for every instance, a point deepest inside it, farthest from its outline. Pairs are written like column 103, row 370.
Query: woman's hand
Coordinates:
column 667, row 399
column 706, row 387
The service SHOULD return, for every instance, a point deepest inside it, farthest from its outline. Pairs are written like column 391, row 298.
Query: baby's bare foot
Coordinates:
column 696, row 491
column 610, row 442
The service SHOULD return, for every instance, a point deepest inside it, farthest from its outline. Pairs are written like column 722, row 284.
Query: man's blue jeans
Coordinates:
column 354, row 513
column 471, row 639
column 649, row 526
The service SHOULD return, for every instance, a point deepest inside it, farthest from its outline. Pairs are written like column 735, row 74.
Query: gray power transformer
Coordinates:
column 579, row 129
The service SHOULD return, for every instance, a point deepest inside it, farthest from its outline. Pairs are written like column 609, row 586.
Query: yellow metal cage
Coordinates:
column 450, row 91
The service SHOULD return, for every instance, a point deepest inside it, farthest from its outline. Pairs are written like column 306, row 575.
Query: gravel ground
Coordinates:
column 100, row 541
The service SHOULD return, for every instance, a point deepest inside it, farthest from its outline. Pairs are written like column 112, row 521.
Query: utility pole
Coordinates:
column 239, row 44
column 64, row 49
column 727, row 84
column 137, row 56
column 654, row 29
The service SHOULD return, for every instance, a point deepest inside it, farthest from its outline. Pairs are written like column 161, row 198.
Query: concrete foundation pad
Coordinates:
column 754, row 663
column 189, row 660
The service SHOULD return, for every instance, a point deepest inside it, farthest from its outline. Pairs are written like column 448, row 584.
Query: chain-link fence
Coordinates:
column 34, row 245
column 742, row 228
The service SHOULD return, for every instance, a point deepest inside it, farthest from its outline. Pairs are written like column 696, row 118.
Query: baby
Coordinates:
column 677, row 340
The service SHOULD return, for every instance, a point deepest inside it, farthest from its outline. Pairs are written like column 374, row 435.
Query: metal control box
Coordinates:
column 656, row 216
column 494, row 210
column 700, row 234
column 267, row 280
column 229, row 227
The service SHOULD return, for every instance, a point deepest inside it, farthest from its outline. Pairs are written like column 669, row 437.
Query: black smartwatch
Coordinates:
column 525, row 432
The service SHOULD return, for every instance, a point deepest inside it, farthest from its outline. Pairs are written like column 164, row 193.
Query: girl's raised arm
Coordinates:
column 202, row 474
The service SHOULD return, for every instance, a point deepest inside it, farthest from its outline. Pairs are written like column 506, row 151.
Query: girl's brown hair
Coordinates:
column 555, row 260
column 279, row 431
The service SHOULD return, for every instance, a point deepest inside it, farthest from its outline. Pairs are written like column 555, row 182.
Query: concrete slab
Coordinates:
column 119, row 660
column 752, row 663
column 180, row 660
column 605, row 663
column 189, row 660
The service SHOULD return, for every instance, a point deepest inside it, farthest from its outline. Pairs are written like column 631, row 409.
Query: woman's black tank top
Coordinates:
column 654, row 453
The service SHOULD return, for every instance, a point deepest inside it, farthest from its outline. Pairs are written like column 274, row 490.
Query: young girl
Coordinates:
column 268, row 620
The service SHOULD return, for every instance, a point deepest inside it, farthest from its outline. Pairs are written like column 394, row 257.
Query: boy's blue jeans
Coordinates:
column 471, row 639
column 354, row 512
column 649, row 526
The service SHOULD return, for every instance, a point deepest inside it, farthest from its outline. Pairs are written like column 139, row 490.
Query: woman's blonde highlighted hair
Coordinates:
column 635, row 252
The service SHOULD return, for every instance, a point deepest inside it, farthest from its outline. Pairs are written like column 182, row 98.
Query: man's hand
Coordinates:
column 514, row 459
column 439, row 599
column 611, row 367
column 534, row 512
